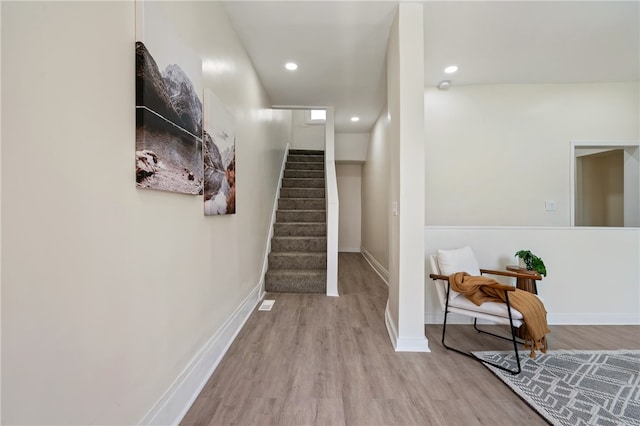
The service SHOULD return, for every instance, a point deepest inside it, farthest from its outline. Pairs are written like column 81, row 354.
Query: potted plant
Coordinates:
column 532, row 262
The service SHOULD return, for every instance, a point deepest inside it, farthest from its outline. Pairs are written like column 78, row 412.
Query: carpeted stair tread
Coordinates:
column 297, row 260
column 296, row 281
column 306, row 216
column 306, row 158
column 289, row 243
column 303, row 183
column 300, row 229
column 294, row 165
column 302, row 204
column 318, row 174
column 305, row 152
column 302, row 192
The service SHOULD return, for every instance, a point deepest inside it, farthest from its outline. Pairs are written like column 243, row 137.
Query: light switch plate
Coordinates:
column 550, row 206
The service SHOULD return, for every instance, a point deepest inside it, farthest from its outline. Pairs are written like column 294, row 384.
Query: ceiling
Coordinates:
column 340, row 47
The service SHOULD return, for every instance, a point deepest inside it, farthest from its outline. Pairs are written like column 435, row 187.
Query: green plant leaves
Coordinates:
column 532, row 262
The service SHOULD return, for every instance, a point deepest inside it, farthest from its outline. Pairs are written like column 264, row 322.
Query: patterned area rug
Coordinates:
column 576, row 387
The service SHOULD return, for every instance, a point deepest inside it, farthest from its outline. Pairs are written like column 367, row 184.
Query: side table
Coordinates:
column 527, row 284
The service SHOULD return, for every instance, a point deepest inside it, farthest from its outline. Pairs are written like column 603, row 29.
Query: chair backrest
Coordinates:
column 448, row 262
column 441, row 285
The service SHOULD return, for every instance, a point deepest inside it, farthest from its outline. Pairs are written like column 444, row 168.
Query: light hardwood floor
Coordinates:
column 315, row 360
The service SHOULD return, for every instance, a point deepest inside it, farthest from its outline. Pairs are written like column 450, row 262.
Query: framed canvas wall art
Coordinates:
column 168, row 105
column 219, row 154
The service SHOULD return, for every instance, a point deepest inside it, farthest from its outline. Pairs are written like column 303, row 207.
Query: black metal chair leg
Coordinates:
column 475, row 327
column 513, row 334
column 470, row 355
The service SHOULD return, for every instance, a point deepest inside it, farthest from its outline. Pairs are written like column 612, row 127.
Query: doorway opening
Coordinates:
column 605, row 184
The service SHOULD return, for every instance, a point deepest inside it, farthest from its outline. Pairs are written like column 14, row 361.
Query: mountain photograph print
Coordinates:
column 219, row 145
column 168, row 108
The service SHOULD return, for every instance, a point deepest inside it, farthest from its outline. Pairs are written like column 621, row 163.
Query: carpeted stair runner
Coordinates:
column 298, row 258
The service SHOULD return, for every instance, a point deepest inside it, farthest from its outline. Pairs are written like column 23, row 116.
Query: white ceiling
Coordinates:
column 340, row 47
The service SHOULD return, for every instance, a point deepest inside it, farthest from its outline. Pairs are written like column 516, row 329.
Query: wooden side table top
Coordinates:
column 520, row 270
column 527, row 284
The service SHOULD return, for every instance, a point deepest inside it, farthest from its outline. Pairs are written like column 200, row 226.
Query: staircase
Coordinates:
column 298, row 258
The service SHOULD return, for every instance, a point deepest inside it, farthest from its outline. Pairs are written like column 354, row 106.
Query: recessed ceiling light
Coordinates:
column 451, row 69
column 444, row 84
column 291, row 66
column 355, row 118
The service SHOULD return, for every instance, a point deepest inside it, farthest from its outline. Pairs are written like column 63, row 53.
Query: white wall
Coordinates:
column 495, row 153
column 306, row 136
column 352, row 147
column 349, row 187
column 593, row 274
column 109, row 292
column 375, row 197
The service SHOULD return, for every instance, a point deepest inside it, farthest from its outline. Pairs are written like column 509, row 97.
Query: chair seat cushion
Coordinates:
column 491, row 308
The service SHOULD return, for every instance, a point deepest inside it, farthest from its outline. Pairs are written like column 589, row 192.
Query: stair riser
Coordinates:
column 304, row 166
column 301, row 216
column 305, row 152
column 302, row 192
column 317, row 174
column 306, row 158
column 301, row 204
column 311, row 244
column 278, row 284
column 275, row 285
column 300, row 230
column 298, row 261
column 303, row 183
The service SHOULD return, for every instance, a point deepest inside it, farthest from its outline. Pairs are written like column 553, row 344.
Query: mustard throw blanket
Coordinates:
column 483, row 289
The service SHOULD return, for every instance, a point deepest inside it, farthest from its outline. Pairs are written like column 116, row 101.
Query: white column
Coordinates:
column 405, row 87
column 332, row 205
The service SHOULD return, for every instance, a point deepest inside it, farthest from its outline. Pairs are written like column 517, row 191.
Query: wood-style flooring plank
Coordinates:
column 317, row 360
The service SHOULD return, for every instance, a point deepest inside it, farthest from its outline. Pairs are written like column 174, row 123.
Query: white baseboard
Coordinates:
column 391, row 326
column 594, row 319
column 176, row 401
column 552, row 319
column 414, row 344
column 349, row 249
column 380, row 270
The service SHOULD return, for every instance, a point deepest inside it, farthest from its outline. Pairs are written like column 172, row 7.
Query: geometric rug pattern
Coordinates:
column 576, row 387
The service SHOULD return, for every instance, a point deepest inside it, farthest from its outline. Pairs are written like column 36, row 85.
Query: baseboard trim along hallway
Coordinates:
column 404, row 344
column 377, row 267
column 176, row 401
